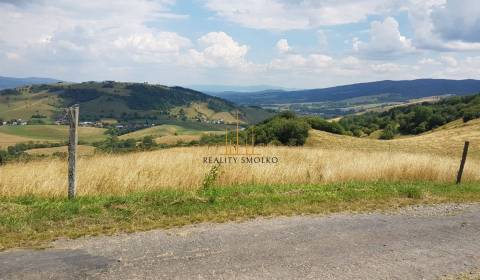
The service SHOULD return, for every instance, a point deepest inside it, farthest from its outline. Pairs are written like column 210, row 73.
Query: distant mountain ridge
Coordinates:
column 388, row 90
column 219, row 90
column 9, row 82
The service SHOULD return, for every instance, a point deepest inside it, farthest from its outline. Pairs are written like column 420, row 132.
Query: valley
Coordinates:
column 343, row 100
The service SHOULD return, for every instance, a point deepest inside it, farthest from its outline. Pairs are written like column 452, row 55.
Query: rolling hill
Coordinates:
column 446, row 140
column 392, row 91
column 163, row 130
column 9, row 82
column 173, row 134
column 126, row 102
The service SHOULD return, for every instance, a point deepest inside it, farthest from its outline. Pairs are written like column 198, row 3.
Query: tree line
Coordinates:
column 413, row 119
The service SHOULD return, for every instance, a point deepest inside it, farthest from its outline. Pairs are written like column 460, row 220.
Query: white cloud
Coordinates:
column 464, row 69
column 445, row 25
column 288, row 62
column 449, row 61
column 282, row 46
column 428, row 61
column 57, row 38
column 149, row 42
column 289, row 15
column 320, row 60
column 385, row 40
column 152, row 47
column 219, row 49
column 297, row 62
column 386, row 67
column 457, row 21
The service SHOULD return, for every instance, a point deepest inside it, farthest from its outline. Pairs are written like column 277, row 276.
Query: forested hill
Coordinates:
column 383, row 91
column 121, row 101
column 413, row 119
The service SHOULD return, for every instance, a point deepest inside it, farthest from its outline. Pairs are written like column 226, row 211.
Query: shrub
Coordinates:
column 324, row 125
column 389, row 132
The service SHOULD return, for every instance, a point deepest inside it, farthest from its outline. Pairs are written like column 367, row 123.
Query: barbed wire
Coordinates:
column 67, row 114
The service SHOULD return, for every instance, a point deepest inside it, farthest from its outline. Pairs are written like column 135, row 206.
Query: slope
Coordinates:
column 447, row 140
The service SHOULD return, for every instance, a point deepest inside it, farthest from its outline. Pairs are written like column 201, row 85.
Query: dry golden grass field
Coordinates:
column 10, row 140
column 447, row 141
column 175, row 139
column 83, row 150
column 183, row 168
column 326, row 158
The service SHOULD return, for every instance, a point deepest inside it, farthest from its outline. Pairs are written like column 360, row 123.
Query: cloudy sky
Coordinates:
column 289, row 43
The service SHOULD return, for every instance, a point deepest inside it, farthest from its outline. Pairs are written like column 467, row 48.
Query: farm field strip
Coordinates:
column 50, row 133
column 82, row 150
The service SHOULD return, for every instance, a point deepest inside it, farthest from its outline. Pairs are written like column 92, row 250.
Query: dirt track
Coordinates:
column 417, row 243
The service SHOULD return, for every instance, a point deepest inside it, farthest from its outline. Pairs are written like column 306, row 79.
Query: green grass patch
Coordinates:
column 33, row 221
column 163, row 130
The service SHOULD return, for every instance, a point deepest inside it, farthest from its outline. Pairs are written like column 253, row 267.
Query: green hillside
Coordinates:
column 164, row 130
column 413, row 119
column 124, row 102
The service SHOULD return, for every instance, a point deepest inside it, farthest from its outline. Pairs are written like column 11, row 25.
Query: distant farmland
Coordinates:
column 10, row 135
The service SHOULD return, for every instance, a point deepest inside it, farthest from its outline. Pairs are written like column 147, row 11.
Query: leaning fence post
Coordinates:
column 72, row 116
column 462, row 163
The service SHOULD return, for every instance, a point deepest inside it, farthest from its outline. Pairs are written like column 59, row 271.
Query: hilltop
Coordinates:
column 123, row 102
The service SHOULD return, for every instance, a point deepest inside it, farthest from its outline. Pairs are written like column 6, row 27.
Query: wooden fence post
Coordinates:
column 72, row 116
column 462, row 163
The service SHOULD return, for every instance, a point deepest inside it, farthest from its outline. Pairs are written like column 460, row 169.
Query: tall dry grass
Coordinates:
column 183, row 168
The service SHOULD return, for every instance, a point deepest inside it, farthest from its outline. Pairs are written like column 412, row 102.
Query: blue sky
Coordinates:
column 286, row 43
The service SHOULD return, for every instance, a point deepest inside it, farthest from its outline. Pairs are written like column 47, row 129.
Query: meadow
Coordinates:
column 82, row 150
column 10, row 135
column 446, row 141
column 174, row 187
column 183, row 169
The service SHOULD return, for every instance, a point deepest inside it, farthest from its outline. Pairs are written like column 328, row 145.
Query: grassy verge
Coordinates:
column 33, row 221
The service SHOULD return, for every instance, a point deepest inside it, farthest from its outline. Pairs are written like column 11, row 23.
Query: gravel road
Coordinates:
column 422, row 242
